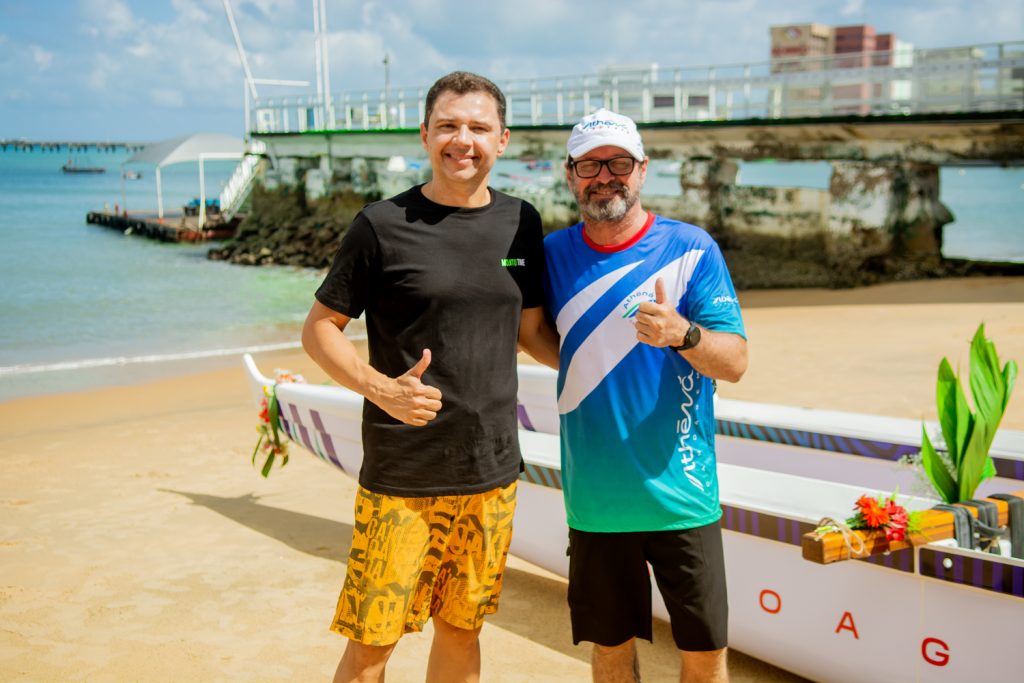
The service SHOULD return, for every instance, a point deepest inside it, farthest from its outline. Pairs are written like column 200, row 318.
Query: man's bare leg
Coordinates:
column 363, row 663
column 454, row 654
column 616, row 664
column 704, row 667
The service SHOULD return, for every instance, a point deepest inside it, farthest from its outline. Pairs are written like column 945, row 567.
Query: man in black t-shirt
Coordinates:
column 449, row 275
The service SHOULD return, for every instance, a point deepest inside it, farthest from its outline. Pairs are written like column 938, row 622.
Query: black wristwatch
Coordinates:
column 691, row 339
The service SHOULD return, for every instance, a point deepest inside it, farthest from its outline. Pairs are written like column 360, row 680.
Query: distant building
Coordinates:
column 812, row 47
column 801, row 47
column 796, row 48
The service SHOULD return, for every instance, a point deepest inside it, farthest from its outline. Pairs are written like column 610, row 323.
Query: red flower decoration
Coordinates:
column 875, row 516
column 884, row 513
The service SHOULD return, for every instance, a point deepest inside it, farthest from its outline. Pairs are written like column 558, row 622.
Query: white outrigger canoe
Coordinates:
column 932, row 612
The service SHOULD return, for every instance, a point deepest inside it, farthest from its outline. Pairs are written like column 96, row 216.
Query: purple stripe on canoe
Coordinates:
column 295, row 412
column 975, row 570
column 794, row 527
column 977, row 577
column 542, row 476
column 306, row 441
column 882, row 450
column 328, row 442
column 764, row 525
column 902, row 560
column 524, row 419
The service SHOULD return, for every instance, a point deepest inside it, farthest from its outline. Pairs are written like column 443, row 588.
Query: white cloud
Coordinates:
column 167, row 98
column 17, row 95
column 852, row 8
column 42, row 58
column 104, row 68
column 149, row 57
column 110, row 18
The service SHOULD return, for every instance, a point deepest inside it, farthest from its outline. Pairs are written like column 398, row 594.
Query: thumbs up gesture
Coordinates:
column 407, row 399
column 659, row 323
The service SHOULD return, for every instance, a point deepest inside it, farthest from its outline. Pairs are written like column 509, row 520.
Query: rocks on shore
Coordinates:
column 285, row 228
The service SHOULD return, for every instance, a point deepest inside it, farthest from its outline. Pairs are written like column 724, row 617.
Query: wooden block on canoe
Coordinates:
column 936, row 525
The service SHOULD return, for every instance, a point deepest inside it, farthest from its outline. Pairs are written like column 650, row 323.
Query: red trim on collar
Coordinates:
column 622, row 246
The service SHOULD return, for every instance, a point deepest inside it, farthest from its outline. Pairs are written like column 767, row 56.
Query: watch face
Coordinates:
column 692, row 337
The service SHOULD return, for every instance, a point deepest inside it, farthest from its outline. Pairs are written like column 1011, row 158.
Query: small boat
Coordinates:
column 933, row 612
column 132, row 175
column 71, row 167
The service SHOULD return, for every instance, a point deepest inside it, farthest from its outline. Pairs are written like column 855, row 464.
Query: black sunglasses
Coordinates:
column 591, row 168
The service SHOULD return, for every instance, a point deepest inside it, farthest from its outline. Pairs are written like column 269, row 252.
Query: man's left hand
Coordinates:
column 659, row 323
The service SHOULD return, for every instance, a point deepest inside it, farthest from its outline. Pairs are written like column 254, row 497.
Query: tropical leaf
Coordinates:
column 954, row 413
column 986, row 380
column 968, row 434
column 990, row 469
column 1009, row 379
column 940, row 476
column 257, row 449
column 267, row 466
column 975, row 459
column 274, row 412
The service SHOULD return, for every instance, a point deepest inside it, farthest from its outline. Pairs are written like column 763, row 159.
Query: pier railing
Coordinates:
column 972, row 78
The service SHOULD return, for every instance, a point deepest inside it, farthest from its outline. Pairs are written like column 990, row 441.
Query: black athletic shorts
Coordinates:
column 610, row 586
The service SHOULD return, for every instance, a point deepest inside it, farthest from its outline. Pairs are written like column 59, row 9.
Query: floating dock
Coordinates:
column 173, row 227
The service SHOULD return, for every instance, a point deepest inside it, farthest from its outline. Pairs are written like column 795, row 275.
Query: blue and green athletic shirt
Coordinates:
column 637, row 422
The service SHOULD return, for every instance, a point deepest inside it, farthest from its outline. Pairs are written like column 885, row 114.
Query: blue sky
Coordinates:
column 120, row 70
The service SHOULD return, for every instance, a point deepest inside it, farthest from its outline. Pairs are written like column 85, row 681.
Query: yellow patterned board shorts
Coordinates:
column 413, row 558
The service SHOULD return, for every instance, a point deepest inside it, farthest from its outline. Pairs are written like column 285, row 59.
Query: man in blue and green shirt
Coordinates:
column 648, row 319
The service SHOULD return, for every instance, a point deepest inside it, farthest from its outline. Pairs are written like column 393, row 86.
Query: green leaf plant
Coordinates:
column 968, row 434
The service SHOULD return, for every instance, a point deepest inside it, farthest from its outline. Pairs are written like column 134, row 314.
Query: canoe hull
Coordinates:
column 931, row 613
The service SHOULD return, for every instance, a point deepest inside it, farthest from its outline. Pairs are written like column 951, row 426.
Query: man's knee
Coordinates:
column 364, row 657
column 453, row 636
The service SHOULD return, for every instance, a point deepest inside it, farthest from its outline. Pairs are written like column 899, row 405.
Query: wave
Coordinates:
column 28, row 369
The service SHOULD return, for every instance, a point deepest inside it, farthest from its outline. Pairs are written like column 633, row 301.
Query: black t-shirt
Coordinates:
column 454, row 281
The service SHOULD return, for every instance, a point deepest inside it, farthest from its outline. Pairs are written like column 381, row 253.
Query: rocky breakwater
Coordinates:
column 285, row 227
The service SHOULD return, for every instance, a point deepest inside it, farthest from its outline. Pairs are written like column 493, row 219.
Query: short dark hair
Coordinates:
column 460, row 83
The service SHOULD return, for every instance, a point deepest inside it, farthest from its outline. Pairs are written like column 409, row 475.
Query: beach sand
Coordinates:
column 138, row 543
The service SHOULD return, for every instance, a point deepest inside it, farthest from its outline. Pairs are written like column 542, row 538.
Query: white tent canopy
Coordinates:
column 188, row 148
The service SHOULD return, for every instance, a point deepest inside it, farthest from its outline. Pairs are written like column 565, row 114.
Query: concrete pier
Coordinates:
column 68, row 146
column 174, row 227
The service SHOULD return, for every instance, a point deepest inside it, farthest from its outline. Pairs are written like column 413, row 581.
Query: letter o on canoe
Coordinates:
column 770, row 601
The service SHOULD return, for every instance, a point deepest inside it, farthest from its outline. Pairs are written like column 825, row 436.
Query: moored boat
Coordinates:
column 933, row 612
column 71, row 167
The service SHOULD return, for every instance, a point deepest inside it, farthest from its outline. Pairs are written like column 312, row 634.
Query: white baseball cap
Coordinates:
column 602, row 128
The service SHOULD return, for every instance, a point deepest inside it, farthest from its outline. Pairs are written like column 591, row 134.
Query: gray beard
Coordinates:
column 606, row 210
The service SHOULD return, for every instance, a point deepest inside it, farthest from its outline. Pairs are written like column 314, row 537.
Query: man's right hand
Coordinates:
column 408, row 399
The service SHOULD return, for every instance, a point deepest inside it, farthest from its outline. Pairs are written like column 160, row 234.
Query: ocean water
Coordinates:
column 987, row 202
column 85, row 305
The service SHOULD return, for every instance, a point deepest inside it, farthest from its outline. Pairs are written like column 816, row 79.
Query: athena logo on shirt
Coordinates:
column 632, row 303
